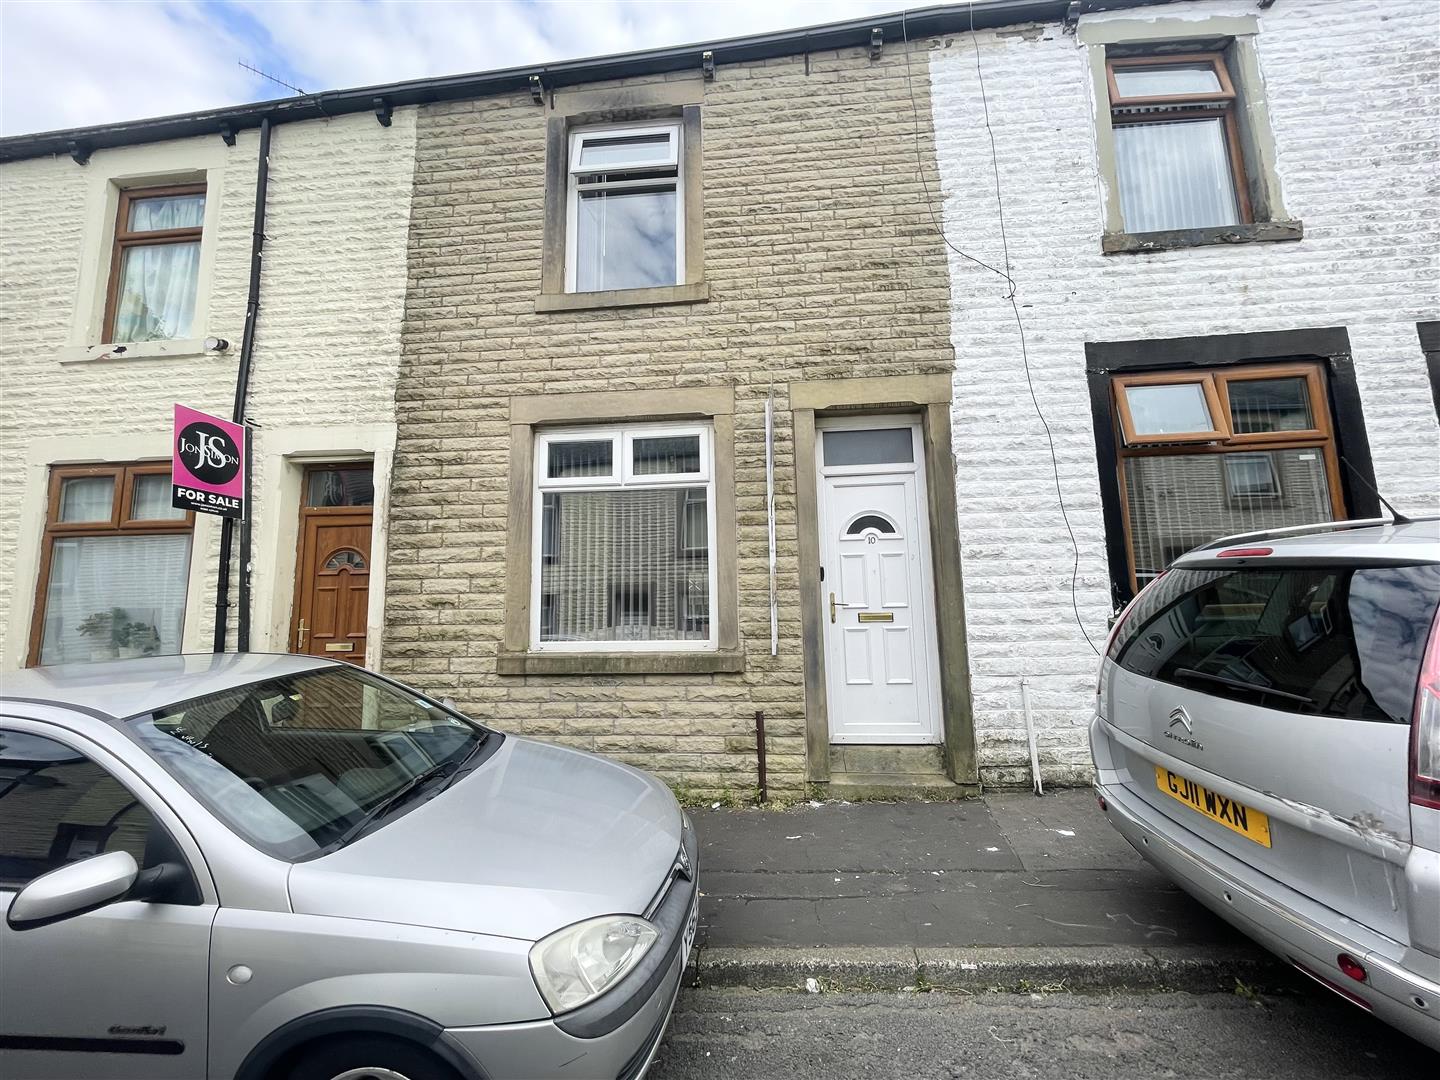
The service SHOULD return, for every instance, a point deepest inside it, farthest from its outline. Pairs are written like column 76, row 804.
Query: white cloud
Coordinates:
column 71, row 64
column 89, row 62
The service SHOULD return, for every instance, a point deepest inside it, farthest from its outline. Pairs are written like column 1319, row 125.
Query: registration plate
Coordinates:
column 691, row 924
column 1251, row 824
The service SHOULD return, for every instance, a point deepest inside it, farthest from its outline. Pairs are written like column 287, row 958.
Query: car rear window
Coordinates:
column 1329, row 641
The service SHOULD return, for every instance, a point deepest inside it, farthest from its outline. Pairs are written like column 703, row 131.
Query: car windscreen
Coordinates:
column 1323, row 640
column 295, row 764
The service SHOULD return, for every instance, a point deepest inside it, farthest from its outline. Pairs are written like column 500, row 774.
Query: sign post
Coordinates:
column 207, row 466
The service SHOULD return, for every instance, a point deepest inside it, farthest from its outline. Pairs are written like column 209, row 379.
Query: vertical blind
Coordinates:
column 1176, row 502
column 628, row 565
column 1175, row 175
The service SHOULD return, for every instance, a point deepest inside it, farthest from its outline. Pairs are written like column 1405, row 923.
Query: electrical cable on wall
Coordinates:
column 1011, row 286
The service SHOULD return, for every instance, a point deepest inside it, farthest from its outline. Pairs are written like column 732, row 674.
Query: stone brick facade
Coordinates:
column 1352, row 93
column 823, row 261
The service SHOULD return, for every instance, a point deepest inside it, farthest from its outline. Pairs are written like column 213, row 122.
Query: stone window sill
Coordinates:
column 627, row 663
column 1176, row 239
column 177, row 349
column 613, row 298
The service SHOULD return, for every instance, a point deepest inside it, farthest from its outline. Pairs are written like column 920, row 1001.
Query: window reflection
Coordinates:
column 626, row 239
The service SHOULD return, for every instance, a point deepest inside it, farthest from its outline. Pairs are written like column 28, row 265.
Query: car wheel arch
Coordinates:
column 286, row 1042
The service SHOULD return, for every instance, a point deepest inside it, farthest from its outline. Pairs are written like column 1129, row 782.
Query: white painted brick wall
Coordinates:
column 332, row 299
column 1353, row 94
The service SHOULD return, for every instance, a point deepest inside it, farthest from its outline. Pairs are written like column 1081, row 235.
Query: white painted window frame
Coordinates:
column 673, row 159
column 621, row 478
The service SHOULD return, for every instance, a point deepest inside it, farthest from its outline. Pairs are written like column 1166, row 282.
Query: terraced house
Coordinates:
column 835, row 385
column 130, row 278
column 673, row 453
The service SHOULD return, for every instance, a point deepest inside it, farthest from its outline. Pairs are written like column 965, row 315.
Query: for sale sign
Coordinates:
column 207, row 469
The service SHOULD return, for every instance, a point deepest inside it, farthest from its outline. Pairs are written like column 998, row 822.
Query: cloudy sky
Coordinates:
column 69, row 63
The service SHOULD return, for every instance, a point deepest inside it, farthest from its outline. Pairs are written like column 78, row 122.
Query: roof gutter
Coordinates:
column 381, row 99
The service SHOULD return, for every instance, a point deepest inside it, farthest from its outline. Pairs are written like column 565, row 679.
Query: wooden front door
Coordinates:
column 332, row 594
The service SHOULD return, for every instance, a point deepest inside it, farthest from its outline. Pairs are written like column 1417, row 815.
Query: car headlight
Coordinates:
column 579, row 963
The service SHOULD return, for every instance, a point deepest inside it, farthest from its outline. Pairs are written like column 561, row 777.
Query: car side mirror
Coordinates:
column 73, row 890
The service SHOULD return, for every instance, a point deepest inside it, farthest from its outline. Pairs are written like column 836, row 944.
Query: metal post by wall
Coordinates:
column 760, row 754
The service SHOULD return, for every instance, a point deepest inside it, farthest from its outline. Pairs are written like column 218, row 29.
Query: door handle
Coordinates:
column 832, row 607
column 300, row 633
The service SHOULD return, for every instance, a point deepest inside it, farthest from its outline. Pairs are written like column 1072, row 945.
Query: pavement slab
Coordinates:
column 1005, row 871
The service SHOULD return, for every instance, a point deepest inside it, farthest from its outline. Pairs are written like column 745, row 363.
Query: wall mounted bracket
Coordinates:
column 227, row 134
column 79, row 152
column 383, row 111
column 707, row 65
column 537, row 91
column 877, row 42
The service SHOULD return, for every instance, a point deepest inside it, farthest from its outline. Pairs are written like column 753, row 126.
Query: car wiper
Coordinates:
column 379, row 810
column 464, row 764
column 1240, row 684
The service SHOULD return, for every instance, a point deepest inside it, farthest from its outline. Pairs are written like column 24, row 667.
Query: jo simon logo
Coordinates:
column 209, row 453
column 208, row 465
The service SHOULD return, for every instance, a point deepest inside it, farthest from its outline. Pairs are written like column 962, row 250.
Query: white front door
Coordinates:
column 881, row 661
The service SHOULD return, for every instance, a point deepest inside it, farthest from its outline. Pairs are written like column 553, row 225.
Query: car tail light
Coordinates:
column 1244, row 553
column 1352, row 967
column 1425, row 727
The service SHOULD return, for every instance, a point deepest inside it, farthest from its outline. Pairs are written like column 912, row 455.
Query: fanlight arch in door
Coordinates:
column 345, row 559
column 861, row 523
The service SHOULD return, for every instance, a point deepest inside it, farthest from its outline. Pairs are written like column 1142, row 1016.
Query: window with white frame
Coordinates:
column 625, row 214
column 633, row 567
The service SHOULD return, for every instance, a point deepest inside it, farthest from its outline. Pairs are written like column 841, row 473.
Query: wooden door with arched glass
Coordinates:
column 332, row 590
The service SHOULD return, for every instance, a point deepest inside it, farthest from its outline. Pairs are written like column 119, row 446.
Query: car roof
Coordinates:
column 1389, row 543
column 117, row 689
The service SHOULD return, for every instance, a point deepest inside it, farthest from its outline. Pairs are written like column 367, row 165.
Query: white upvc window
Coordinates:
column 625, row 214
column 623, row 551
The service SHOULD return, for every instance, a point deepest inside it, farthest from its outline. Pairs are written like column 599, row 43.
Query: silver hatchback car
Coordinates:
column 1267, row 733
column 260, row 867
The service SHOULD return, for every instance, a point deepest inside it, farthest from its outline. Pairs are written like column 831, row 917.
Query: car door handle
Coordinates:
column 832, row 607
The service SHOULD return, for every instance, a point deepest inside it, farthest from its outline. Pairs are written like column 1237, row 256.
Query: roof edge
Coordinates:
column 330, row 103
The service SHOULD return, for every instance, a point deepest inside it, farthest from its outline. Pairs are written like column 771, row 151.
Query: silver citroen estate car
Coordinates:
column 1267, row 733
column 260, row 867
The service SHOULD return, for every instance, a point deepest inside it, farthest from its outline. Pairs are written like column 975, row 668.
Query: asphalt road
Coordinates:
column 770, row 1035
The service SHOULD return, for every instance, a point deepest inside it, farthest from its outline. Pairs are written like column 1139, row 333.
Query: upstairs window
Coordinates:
column 1177, row 144
column 155, row 264
column 625, row 218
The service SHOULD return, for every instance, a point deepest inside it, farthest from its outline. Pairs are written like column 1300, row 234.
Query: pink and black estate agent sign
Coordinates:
column 207, row 469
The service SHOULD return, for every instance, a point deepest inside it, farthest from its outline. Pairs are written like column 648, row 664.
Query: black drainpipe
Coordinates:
column 242, row 392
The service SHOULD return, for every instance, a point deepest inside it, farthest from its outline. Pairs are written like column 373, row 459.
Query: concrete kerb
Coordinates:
column 991, row 970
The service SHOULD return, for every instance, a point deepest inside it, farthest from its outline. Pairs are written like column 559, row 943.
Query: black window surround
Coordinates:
column 1328, row 346
column 1430, row 345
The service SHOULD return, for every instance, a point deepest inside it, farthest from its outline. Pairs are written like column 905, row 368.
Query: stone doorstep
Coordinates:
column 896, row 787
column 860, row 773
column 1189, row 969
